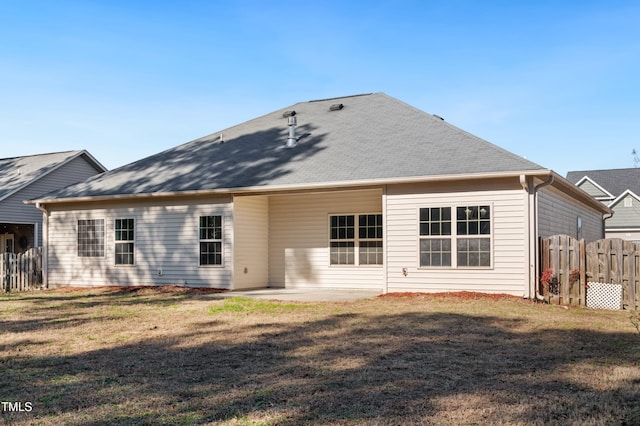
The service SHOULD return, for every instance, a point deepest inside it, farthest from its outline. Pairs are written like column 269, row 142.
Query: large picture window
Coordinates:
column 91, row 237
column 210, row 240
column 355, row 239
column 124, row 241
column 463, row 241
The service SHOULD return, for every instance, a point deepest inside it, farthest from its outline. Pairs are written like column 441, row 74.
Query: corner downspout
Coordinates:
column 533, row 246
column 45, row 244
column 385, row 243
column 604, row 226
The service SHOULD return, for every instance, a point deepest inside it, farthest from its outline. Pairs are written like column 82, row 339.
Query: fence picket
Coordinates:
column 21, row 272
column 607, row 261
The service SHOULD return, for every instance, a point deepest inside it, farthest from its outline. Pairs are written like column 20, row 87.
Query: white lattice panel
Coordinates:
column 604, row 296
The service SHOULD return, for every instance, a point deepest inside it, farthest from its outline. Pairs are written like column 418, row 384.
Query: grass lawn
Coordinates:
column 97, row 357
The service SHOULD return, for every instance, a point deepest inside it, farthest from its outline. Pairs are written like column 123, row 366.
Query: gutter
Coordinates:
column 535, row 224
column 328, row 186
column 45, row 244
column 533, row 246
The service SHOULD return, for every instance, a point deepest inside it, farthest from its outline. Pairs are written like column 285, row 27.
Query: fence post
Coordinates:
column 4, row 269
column 583, row 274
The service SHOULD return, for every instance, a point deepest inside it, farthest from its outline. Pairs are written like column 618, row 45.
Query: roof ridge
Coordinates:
column 604, row 170
column 41, row 155
column 464, row 132
column 341, row 97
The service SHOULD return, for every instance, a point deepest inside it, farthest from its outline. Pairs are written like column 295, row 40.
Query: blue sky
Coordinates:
column 557, row 82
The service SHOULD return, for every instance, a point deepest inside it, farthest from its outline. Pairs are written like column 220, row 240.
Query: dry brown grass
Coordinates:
column 97, row 357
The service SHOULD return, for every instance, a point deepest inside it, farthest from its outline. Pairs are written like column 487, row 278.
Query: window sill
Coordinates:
column 457, row 268
column 357, row 266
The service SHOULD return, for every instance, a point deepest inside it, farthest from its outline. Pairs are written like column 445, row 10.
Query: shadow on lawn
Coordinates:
column 44, row 307
column 391, row 369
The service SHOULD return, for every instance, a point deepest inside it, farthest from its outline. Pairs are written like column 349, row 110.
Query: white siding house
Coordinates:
column 371, row 193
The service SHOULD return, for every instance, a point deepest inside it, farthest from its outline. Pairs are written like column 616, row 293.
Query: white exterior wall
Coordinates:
column 299, row 240
column 509, row 270
column 251, row 242
column 558, row 214
column 166, row 246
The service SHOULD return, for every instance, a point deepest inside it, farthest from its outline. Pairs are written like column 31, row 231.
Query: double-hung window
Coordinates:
column 457, row 236
column 474, row 235
column 124, row 240
column 211, row 240
column 355, row 239
column 91, row 238
column 435, row 236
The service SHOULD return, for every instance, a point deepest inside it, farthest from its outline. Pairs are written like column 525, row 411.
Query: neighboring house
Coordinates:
column 360, row 192
column 24, row 178
column 618, row 189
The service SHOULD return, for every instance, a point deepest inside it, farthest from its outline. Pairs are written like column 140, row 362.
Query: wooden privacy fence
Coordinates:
column 21, row 272
column 567, row 266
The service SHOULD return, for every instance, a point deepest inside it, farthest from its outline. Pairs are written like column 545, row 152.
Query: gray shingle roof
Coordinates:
column 615, row 181
column 19, row 172
column 373, row 136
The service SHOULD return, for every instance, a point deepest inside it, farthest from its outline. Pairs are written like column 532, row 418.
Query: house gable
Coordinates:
column 592, row 188
column 627, row 212
column 18, row 173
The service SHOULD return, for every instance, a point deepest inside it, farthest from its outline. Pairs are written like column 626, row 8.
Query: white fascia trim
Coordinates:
column 594, row 183
column 320, row 186
column 622, row 196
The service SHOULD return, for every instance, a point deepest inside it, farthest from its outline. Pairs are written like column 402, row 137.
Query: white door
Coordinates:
column 6, row 243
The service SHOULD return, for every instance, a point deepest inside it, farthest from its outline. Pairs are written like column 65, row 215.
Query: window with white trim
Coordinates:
column 90, row 237
column 463, row 241
column 124, row 242
column 355, row 242
column 435, row 240
column 211, row 240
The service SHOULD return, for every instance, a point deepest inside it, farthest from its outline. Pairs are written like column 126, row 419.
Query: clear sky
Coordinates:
column 555, row 81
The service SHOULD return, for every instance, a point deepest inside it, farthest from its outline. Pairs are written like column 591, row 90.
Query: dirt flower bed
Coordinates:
column 183, row 356
column 141, row 289
column 464, row 295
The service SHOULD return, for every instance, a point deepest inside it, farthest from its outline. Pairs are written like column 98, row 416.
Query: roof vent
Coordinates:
column 292, row 141
column 336, row 107
column 288, row 114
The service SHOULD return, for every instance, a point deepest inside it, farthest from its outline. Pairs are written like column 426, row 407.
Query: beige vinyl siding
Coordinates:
column 166, row 246
column 625, row 217
column 624, row 234
column 13, row 209
column 508, row 273
column 251, row 242
column 558, row 214
column 299, row 240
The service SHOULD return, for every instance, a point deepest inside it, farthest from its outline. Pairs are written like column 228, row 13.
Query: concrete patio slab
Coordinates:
column 300, row 294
